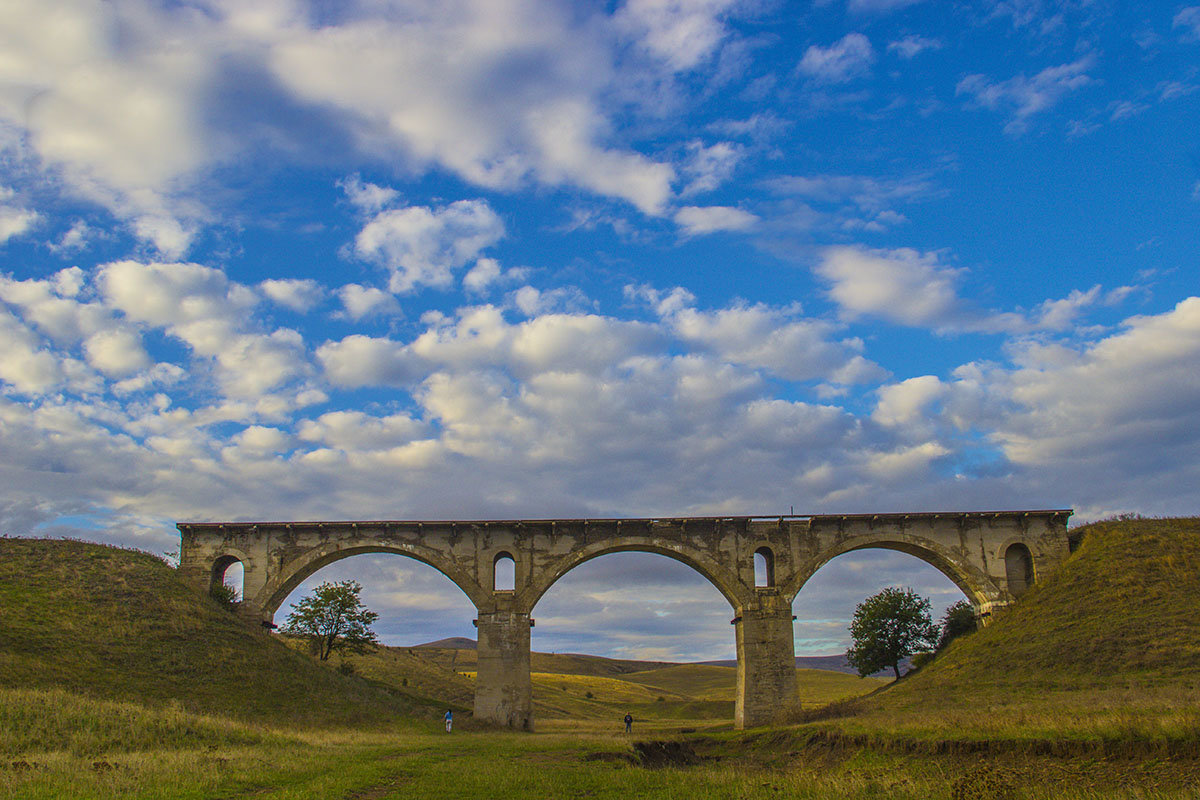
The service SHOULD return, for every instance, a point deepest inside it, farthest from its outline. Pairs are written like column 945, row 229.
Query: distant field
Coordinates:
column 562, row 683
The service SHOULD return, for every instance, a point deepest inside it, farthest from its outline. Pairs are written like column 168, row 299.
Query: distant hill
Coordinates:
column 453, row 643
column 458, row 652
column 119, row 625
column 830, row 663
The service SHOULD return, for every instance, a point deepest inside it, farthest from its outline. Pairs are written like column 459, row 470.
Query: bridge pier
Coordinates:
column 766, row 668
column 503, row 692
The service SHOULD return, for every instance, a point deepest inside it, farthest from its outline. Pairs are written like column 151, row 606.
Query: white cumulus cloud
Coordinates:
column 423, row 246
column 294, row 293
column 683, row 33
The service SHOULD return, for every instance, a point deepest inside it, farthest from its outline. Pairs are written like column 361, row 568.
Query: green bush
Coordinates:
column 226, row 596
column 921, row 659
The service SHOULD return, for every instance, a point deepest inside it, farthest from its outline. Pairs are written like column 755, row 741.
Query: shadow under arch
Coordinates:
column 978, row 587
column 298, row 570
column 727, row 583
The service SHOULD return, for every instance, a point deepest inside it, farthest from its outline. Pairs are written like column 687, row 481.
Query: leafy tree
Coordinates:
column 887, row 628
column 333, row 618
column 958, row 619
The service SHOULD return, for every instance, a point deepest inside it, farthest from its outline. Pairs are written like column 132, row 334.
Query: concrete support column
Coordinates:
column 250, row 610
column 766, row 653
column 503, row 693
column 254, row 581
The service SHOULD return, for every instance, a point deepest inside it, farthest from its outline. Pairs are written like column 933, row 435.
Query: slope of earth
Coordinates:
column 117, row 624
column 1106, row 648
column 411, row 671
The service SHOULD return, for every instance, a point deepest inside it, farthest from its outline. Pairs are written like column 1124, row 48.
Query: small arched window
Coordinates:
column 504, row 573
column 764, row 567
column 228, row 571
column 1018, row 568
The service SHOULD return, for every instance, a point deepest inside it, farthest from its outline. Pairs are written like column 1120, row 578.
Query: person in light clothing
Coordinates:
column 449, row 720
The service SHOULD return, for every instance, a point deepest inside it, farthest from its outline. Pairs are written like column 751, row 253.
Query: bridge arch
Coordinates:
column 297, row 570
column 731, row 587
column 978, row 587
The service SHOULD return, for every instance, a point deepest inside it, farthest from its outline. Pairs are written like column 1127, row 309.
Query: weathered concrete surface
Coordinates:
column 503, row 692
column 766, row 657
column 991, row 556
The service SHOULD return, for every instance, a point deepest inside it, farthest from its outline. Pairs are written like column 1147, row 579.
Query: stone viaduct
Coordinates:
column 992, row 556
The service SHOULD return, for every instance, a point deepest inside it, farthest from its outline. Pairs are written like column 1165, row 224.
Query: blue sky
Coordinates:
column 658, row 257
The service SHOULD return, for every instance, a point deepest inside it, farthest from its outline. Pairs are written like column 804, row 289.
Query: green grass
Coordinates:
column 83, row 726
column 564, row 663
column 702, row 681
column 483, row 766
column 114, row 624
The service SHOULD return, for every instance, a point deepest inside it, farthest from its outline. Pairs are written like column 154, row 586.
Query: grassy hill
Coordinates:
column 1122, row 608
column 1105, row 648
column 117, row 625
column 411, row 671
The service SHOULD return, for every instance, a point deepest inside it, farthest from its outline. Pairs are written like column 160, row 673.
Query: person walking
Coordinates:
column 449, row 720
column 628, row 723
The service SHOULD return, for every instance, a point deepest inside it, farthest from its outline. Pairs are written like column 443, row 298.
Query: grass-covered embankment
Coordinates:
column 1105, row 649
column 113, row 624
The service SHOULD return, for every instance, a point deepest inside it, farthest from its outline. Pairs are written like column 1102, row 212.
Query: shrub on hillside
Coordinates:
column 921, row 659
column 226, row 596
column 959, row 619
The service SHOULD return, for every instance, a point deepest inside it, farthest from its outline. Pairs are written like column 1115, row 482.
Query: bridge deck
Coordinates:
column 888, row 517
